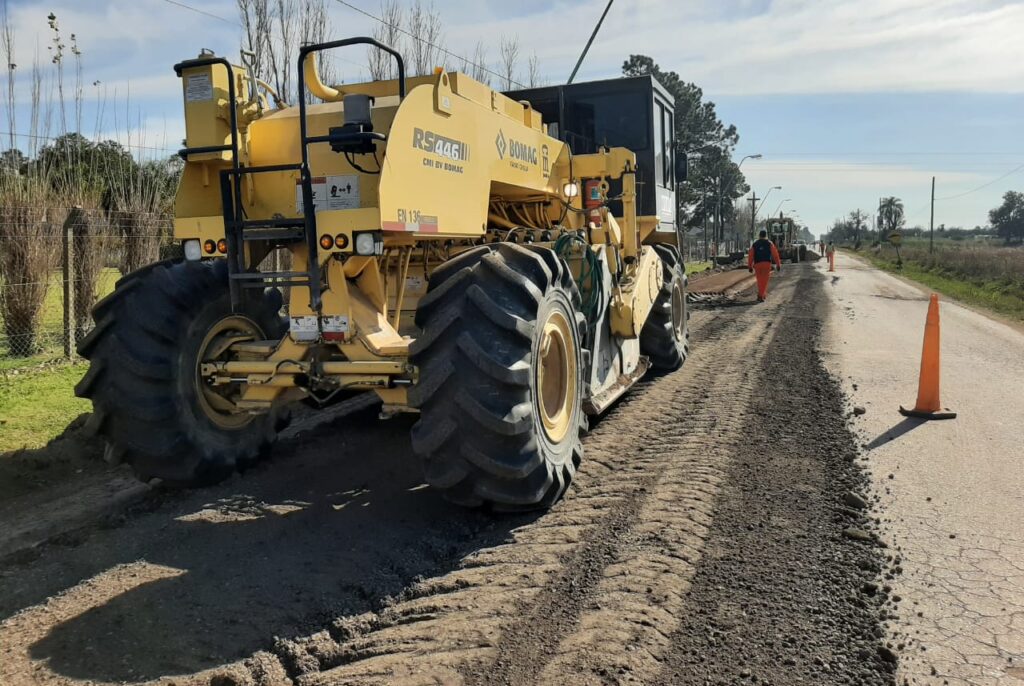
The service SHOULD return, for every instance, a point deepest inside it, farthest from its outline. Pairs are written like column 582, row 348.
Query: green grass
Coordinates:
column 37, row 399
column 37, row 404
column 50, row 334
column 1001, row 295
column 693, row 267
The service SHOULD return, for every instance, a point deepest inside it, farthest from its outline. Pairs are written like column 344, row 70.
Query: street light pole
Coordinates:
column 781, row 203
column 704, row 208
column 719, row 231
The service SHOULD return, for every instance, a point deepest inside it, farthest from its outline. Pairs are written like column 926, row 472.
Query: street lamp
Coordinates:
column 781, row 203
column 749, row 157
column 719, row 232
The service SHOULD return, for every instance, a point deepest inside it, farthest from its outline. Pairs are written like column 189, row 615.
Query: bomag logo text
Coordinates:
column 440, row 145
column 516, row 150
column 522, row 152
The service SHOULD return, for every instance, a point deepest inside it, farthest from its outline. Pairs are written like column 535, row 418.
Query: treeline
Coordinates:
column 1006, row 223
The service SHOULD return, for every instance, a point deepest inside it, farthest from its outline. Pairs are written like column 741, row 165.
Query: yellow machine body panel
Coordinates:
column 453, row 145
column 449, row 154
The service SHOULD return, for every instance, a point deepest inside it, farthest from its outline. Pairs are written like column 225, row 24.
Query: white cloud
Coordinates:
column 793, row 46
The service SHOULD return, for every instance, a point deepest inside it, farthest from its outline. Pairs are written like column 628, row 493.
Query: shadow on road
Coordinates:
column 333, row 529
column 904, row 427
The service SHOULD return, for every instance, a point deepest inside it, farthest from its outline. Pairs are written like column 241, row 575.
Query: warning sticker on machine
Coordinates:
column 198, row 87
column 331, row 193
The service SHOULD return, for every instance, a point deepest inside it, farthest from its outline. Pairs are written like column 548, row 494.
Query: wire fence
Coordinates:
column 56, row 263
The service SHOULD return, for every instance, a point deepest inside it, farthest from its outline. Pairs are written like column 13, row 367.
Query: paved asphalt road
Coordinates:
column 952, row 492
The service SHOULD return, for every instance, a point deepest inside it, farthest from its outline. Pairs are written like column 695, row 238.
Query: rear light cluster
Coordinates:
column 194, row 250
column 221, row 246
column 366, row 242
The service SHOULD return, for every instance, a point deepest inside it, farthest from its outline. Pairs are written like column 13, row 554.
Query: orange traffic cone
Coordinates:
column 928, row 405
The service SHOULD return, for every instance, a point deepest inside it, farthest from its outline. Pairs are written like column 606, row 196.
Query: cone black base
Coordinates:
column 926, row 415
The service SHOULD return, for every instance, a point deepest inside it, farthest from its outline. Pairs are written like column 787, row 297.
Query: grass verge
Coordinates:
column 999, row 296
column 36, row 405
column 693, row 267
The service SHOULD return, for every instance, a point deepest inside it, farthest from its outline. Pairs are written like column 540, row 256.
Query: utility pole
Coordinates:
column 879, row 224
column 704, row 207
column 931, row 222
column 719, row 232
column 753, row 213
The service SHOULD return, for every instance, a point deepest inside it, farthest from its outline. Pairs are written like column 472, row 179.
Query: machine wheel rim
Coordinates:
column 556, row 376
column 678, row 311
column 212, row 399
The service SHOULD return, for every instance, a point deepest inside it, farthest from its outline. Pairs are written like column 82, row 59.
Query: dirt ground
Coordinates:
column 715, row 535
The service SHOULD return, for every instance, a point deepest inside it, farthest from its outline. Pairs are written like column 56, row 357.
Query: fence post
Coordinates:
column 68, row 273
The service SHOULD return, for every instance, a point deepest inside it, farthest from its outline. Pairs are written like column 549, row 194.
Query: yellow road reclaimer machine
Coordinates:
column 423, row 239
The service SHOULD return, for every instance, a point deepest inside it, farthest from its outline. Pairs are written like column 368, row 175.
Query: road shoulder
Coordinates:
column 949, row 493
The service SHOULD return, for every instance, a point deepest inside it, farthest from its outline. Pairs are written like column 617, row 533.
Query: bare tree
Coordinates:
column 533, row 71
column 388, row 32
column 477, row 66
column 257, row 18
column 314, row 27
column 425, row 48
column 8, row 48
column 508, row 48
column 273, row 31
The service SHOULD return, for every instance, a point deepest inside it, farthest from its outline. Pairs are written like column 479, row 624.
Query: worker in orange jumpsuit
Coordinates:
column 760, row 257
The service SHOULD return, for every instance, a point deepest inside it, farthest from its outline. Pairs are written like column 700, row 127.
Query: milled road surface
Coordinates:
column 952, row 492
column 714, row 535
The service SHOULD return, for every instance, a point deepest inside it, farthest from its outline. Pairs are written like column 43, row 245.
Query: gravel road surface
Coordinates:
column 716, row 534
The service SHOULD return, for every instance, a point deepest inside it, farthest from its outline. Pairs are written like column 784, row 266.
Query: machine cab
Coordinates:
column 635, row 113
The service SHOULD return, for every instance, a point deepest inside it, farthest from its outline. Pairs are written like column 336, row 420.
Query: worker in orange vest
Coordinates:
column 760, row 257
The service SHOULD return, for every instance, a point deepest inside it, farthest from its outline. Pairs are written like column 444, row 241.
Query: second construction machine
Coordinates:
column 429, row 240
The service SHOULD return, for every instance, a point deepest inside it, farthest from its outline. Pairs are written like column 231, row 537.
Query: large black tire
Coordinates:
column 665, row 338
column 143, row 379
column 482, row 432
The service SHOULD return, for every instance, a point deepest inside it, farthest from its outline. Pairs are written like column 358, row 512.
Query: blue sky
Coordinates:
column 847, row 100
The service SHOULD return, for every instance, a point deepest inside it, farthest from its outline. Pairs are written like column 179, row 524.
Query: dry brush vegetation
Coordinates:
column 54, row 177
column 983, row 274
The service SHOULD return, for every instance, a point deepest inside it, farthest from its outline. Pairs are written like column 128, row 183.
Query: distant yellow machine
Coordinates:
column 429, row 240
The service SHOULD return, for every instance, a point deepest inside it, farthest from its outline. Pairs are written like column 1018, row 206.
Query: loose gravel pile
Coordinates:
column 787, row 591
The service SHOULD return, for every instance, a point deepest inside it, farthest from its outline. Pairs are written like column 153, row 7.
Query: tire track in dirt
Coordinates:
column 783, row 595
column 612, row 609
column 449, row 628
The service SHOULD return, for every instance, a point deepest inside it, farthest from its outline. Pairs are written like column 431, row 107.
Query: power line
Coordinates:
column 199, row 11
column 425, row 42
column 235, row 23
column 53, row 138
column 984, row 185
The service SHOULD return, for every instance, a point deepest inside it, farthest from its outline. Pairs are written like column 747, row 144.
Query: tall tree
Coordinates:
column 425, row 50
column 1008, row 218
column 273, row 32
column 508, row 48
column 891, row 214
column 716, row 180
